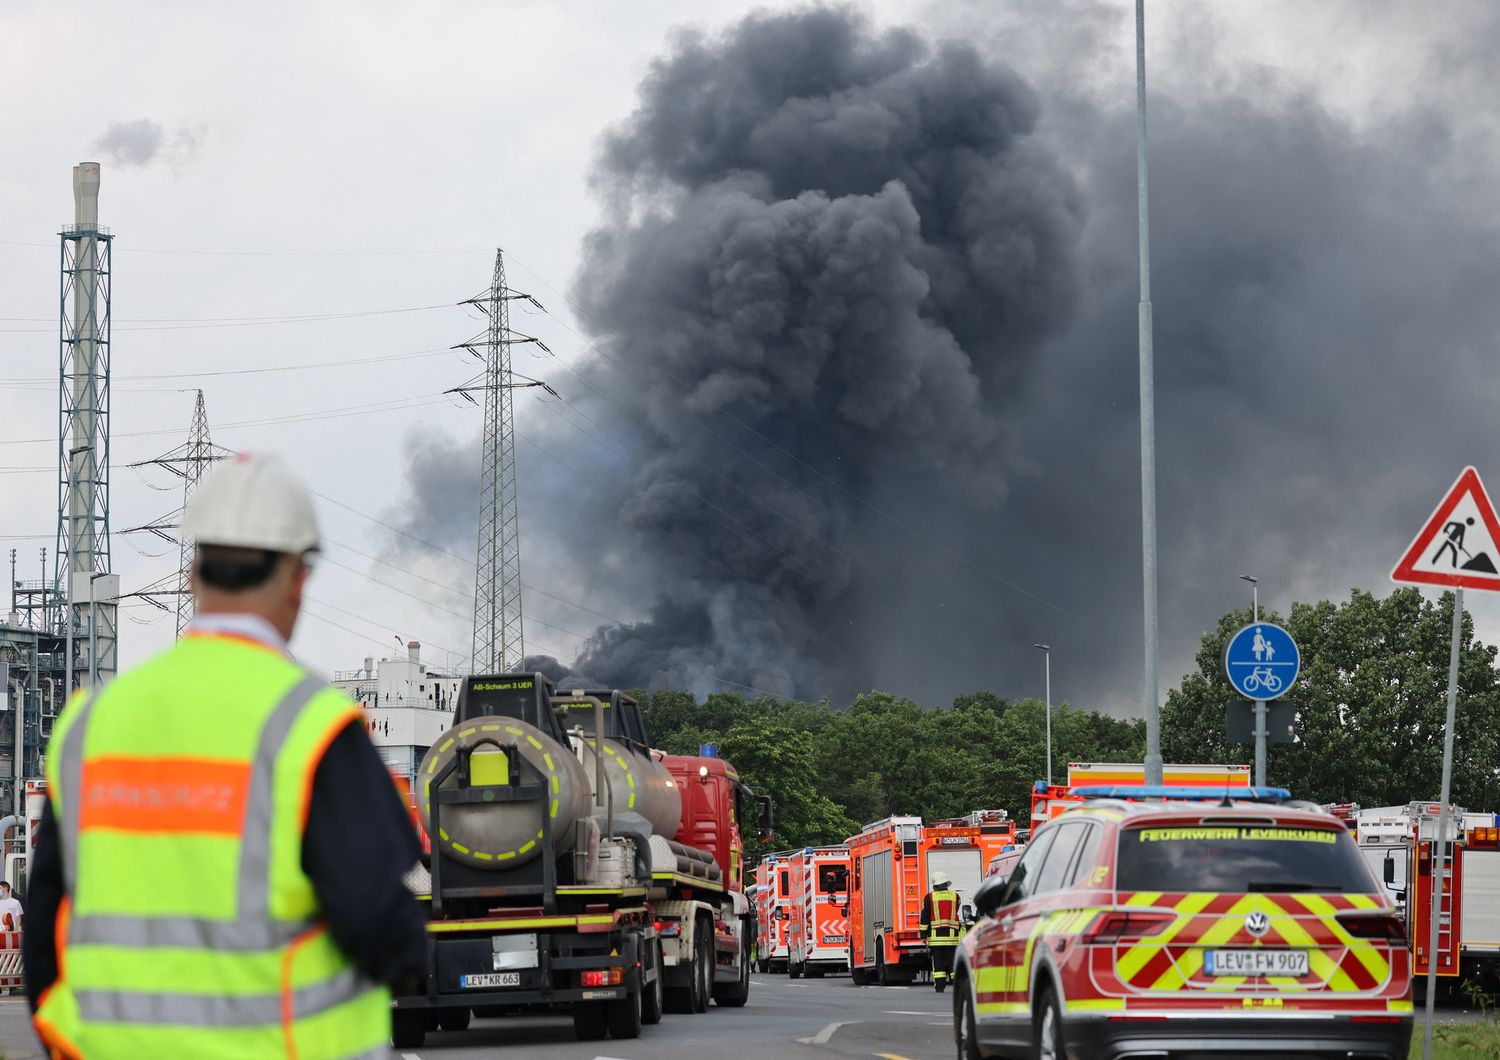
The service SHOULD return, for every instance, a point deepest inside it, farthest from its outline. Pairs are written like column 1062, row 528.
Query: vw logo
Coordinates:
column 1257, row 923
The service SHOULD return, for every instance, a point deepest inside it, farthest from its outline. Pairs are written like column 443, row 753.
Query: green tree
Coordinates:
column 1370, row 704
column 777, row 760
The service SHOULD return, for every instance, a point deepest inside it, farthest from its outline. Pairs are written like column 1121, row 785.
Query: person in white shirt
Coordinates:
column 10, row 909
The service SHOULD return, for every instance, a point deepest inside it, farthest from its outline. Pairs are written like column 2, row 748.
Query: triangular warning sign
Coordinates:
column 1459, row 546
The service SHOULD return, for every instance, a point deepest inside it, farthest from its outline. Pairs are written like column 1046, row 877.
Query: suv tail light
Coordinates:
column 1109, row 928
column 1386, row 926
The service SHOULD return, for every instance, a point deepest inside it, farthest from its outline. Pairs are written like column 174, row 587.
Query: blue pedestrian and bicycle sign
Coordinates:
column 1262, row 661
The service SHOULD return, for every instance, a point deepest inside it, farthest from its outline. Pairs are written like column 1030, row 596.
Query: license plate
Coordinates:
column 1256, row 962
column 489, row 979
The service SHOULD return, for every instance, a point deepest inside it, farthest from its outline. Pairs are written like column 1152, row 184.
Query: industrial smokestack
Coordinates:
column 86, row 194
column 414, row 651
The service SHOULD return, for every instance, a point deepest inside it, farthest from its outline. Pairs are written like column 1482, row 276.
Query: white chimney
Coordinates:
column 414, row 651
column 86, row 194
column 369, row 666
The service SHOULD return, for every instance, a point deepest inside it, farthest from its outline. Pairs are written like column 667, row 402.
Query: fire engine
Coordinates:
column 1050, row 800
column 892, row 861
column 772, row 911
column 818, row 929
column 1398, row 842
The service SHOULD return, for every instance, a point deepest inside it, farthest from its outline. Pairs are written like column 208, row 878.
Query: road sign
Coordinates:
column 1281, row 722
column 1459, row 546
column 1262, row 661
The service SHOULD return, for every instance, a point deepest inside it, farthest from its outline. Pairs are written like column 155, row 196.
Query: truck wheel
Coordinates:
column 882, row 977
column 736, row 994
column 653, row 1003
column 793, row 970
column 453, row 1019
column 408, row 1028
column 590, row 1022
column 703, row 966
column 624, row 1017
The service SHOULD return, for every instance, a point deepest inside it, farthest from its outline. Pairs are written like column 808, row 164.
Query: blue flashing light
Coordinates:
column 1166, row 791
column 708, row 750
column 1041, row 787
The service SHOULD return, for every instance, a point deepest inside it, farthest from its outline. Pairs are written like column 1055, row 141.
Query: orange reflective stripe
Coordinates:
column 56, row 1042
column 164, row 795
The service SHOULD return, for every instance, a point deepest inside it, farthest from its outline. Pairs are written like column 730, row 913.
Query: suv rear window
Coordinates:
column 1237, row 859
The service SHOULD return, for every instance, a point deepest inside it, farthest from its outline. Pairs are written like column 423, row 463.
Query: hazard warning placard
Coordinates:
column 1459, row 546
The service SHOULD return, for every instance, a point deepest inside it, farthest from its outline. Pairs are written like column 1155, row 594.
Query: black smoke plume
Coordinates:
column 864, row 310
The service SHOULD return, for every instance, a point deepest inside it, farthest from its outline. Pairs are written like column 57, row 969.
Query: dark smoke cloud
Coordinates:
column 866, row 313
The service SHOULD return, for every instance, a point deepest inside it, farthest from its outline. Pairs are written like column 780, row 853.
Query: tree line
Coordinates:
column 1370, row 708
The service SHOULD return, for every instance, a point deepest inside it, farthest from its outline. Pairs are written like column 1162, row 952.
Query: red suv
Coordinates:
column 1185, row 927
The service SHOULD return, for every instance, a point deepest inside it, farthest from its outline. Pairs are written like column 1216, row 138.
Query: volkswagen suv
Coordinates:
column 1157, row 924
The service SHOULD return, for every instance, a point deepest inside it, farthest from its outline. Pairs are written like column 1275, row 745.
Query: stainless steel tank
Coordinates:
column 499, row 835
column 639, row 784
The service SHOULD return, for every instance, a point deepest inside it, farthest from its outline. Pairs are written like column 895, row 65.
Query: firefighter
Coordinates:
column 941, row 927
column 219, row 865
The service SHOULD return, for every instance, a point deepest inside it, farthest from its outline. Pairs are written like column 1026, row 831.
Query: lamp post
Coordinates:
column 1259, row 705
column 1254, row 596
column 1148, row 417
column 1047, row 654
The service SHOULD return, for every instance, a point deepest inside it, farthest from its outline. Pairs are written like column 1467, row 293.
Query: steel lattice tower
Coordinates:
column 83, row 411
column 190, row 462
column 498, row 641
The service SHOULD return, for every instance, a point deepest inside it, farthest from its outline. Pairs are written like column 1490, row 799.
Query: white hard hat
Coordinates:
column 940, row 879
column 253, row 502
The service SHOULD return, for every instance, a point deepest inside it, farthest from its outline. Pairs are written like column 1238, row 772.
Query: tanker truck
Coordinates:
column 572, row 865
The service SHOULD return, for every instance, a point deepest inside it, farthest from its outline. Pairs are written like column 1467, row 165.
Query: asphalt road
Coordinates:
column 803, row 1018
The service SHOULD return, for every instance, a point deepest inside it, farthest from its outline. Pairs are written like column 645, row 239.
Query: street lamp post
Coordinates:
column 1261, row 732
column 1148, row 417
column 1047, row 654
column 1254, row 596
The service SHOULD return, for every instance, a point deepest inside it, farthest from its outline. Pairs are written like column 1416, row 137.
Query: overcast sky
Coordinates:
column 1325, row 244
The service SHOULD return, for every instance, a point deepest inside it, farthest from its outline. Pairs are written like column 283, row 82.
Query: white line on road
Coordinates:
column 907, row 1012
column 821, row 1038
column 410, row 1056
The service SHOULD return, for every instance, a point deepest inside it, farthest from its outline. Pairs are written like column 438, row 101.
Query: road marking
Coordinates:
column 822, row 1037
column 892, row 1056
column 410, row 1056
column 907, row 1012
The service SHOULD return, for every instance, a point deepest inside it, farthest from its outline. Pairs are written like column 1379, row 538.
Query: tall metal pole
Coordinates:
column 1440, row 841
column 1259, row 705
column 1148, row 419
column 1047, row 652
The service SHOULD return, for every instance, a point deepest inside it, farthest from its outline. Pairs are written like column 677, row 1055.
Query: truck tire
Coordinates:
column 408, row 1028
column 453, row 1019
column 703, row 966
column 793, row 970
column 653, row 1001
column 591, row 1021
column 624, row 1017
column 734, row 995
column 882, row 977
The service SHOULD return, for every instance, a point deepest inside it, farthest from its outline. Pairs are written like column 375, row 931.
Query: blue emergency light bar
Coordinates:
column 1167, row 791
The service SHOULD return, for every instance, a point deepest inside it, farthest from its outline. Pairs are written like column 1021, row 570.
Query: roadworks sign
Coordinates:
column 1459, row 546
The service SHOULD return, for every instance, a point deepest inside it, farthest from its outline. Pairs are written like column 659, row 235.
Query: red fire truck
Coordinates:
column 1398, row 842
column 1049, row 800
column 818, row 931
column 772, row 911
column 892, row 862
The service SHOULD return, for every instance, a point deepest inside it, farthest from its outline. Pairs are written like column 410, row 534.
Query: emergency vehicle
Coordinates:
column 1049, row 800
column 1189, row 924
column 892, row 862
column 818, row 928
column 1397, row 841
column 773, row 911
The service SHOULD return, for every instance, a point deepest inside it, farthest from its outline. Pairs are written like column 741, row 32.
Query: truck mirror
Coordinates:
column 1390, row 868
column 767, row 822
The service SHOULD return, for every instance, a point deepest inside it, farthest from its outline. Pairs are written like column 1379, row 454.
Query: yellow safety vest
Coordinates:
column 944, row 926
column 180, row 791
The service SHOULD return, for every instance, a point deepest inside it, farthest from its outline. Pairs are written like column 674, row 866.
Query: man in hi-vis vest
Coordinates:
column 941, row 927
column 218, row 871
